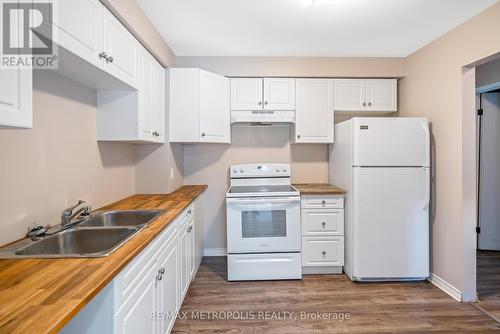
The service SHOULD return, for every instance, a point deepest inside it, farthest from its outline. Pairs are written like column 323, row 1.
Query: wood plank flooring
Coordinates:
column 372, row 307
column 488, row 282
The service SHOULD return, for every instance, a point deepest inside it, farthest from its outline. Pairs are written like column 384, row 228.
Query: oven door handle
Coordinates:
column 263, row 200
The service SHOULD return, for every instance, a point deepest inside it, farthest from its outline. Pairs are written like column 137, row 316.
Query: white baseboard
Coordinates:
column 215, row 252
column 446, row 287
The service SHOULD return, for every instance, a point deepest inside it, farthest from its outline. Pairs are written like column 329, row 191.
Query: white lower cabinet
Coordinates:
column 322, row 218
column 146, row 295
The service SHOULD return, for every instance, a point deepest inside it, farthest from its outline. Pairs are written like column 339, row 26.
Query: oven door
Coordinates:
column 260, row 225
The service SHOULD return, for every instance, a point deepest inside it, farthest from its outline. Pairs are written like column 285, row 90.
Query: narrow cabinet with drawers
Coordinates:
column 322, row 218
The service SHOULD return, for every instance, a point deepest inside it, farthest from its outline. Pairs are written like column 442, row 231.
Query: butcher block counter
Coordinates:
column 318, row 189
column 42, row 295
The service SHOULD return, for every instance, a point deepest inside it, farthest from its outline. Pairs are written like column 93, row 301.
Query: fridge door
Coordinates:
column 391, row 223
column 391, row 141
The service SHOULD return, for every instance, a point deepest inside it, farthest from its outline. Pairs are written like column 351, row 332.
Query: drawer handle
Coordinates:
column 323, row 202
column 161, row 271
column 159, row 277
column 323, row 224
column 323, row 252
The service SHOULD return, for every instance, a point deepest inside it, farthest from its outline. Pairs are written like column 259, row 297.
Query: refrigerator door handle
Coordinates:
column 427, row 188
column 425, row 127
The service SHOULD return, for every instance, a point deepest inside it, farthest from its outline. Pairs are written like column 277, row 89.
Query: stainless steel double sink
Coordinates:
column 99, row 235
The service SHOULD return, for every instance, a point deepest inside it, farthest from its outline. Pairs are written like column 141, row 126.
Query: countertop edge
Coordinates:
column 186, row 199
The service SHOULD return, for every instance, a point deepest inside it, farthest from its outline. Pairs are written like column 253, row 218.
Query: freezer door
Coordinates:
column 391, row 141
column 391, row 223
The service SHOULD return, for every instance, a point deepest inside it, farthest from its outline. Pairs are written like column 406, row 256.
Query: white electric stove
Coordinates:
column 263, row 223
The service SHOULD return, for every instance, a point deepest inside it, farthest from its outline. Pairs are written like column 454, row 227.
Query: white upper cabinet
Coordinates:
column 88, row 31
column 262, row 94
column 79, row 28
column 135, row 115
column 121, row 50
column 246, row 93
column 314, row 114
column 381, row 95
column 350, row 94
column 16, row 91
column 214, row 108
column 279, row 94
column 199, row 106
column 373, row 95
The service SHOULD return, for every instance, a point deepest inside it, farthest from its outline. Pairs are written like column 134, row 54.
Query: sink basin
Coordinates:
column 121, row 218
column 79, row 242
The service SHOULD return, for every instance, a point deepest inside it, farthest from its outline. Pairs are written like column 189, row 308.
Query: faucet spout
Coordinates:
column 81, row 209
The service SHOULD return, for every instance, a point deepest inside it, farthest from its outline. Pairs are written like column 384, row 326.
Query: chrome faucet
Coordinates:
column 81, row 209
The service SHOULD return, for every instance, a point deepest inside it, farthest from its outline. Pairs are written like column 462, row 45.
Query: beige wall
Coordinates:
column 488, row 73
column 209, row 164
column 432, row 87
column 309, row 163
column 132, row 16
column 297, row 66
column 48, row 168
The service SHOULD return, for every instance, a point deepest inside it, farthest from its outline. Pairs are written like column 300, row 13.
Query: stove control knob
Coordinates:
column 284, row 170
column 235, row 170
column 242, row 170
column 277, row 170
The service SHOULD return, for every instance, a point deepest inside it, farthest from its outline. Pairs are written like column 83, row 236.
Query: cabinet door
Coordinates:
column 322, row 251
column 198, row 230
column 322, row 222
column 78, row 28
column 168, row 290
column 381, row 95
column 191, row 251
column 279, row 94
column 159, row 100
column 135, row 315
column 350, row 94
column 215, row 115
column 122, row 50
column 246, row 94
column 183, row 261
column 314, row 114
column 16, row 95
column 146, row 95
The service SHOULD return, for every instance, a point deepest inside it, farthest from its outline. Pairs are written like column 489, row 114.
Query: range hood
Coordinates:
column 262, row 116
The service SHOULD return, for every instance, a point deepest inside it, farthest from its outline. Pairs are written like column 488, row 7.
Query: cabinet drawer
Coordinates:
column 322, row 221
column 322, row 251
column 186, row 215
column 130, row 276
column 321, row 201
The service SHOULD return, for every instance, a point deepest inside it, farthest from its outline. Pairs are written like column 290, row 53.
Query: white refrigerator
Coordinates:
column 384, row 165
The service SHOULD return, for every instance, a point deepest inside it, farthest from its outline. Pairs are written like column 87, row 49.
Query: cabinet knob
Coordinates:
column 189, row 212
column 103, row 55
column 369, row 104
column 260, row 103
column 159, row 277
column 161, row 271
column 323, row 252
column 323, row 202
column 298, row 136
column 323, row 224
column 203, row 134
column 364, row 104
column 266, row 103
column 109, row 59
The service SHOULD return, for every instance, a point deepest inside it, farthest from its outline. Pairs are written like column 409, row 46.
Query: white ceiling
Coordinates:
column 324, row 28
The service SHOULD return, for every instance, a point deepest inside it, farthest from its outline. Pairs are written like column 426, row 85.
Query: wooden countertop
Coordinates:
column 42, row 295
column 318, row 189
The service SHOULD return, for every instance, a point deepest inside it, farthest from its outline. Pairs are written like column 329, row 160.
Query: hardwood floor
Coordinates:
column 371, row 307
column 488, row 282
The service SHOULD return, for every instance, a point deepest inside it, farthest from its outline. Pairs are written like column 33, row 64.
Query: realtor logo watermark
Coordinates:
column 27, row 35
